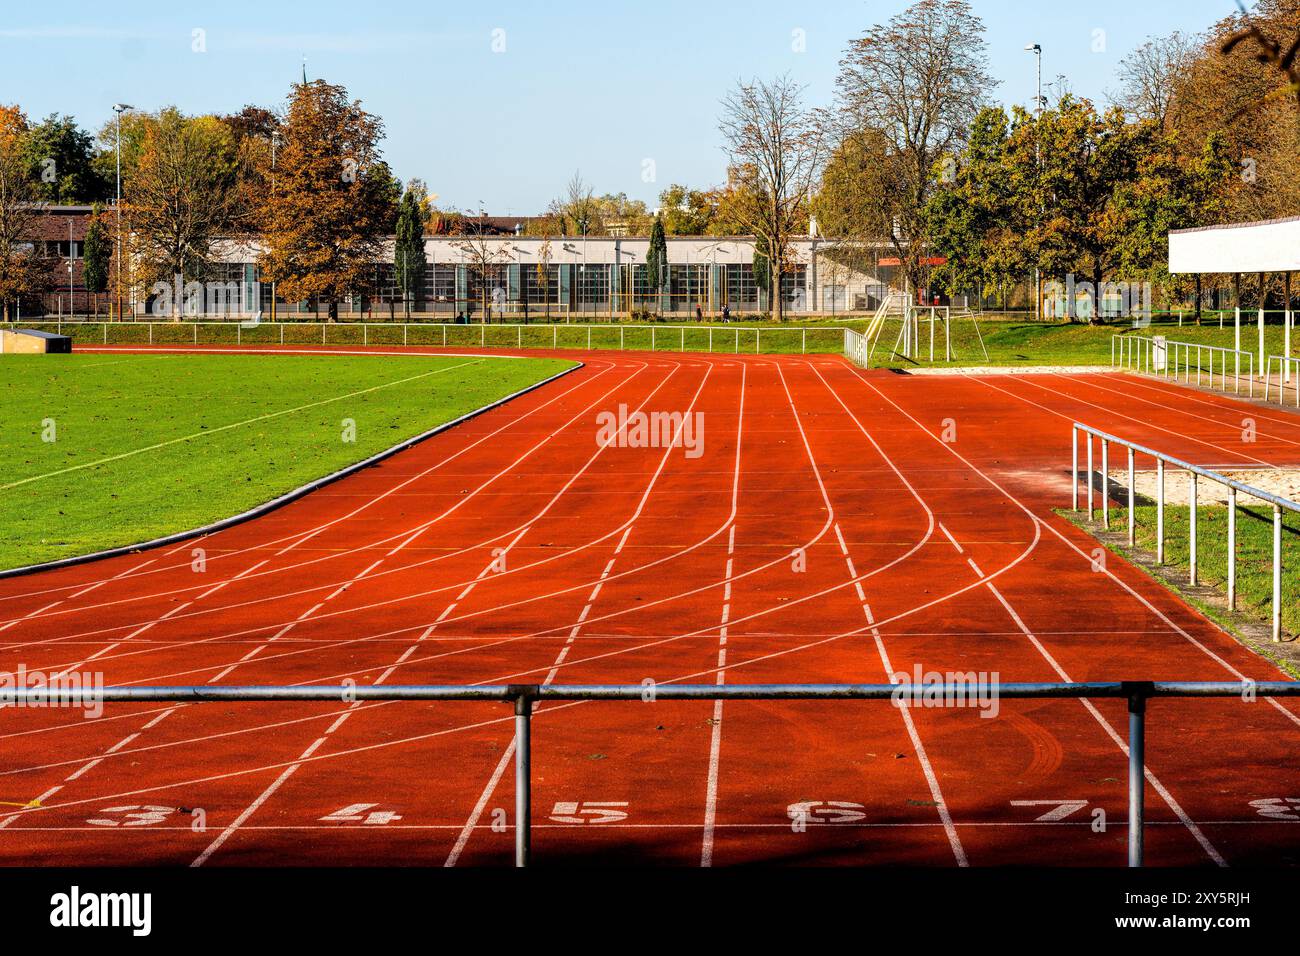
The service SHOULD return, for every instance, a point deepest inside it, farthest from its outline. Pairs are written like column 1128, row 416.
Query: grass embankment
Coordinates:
column 107, row 450
column 1254, row 556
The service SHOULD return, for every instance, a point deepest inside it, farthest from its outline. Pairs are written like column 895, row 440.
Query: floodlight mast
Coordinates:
column 1037, row 50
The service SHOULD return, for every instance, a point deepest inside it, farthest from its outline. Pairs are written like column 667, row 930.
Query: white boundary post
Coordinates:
column 1191, row 521
column 1132, row 520
column 1160, row 511
column 1277, row 574
column 1232, row 548
column 1074, row 469
column 1105, row 484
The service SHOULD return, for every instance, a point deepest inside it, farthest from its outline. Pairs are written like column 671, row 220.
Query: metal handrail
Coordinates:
column 1279, row 504
column 1288, row 370
column 523, row 696
column 1142, row 353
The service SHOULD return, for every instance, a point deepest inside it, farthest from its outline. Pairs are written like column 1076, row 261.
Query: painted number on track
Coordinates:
column 826, row 811
column 1060, row 808
column 1278, row 808
column 132, row 815
column 589, row 811
column 356, row 813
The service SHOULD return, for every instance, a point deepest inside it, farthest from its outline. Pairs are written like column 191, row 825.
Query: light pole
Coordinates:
column 1037, row 51
column 275, row 142
column 119, row 108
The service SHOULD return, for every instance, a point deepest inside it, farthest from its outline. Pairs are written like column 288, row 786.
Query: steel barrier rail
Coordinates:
column 1288, row 370
column 1279, row 504
column 523, row 696
column 483, row 329
column 855, row 348
column 1139, row 353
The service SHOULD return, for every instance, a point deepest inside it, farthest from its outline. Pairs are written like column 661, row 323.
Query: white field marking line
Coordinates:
column 1189, row 414
column 1169, row 622
column 495, row 721
column 559, row 555
column 1224, row 402
column 1119, row 414
column 301, row 537
column 948, row 535
column 1039, row 523
column 1165, row 795
column 941, row 805
column 338, row 722
column 464, row 499
column 715, row 736
column 222, row 428
column 495, row 778
column 755, row 825
column 77, row 594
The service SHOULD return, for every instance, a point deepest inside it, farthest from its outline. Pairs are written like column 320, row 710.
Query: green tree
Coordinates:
column 408, row 250
column 61, row 156
column 97, row 255
column 656, row 258
column 687, row 212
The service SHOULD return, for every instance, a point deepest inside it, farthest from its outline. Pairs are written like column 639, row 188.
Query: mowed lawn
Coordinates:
column 103, row 450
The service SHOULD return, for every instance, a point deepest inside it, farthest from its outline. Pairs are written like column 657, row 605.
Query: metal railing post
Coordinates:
column 1090, row 476
column 1105, row 484
column 1232, row 548
column 523, row 777
column 1277, row 574
column 1160, row 511
column 1136, row 774
column 1074, row 469
column 1191, row 522
column 1132, row 520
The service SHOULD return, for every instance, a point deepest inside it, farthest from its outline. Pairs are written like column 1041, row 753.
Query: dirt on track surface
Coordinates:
column 838, row 526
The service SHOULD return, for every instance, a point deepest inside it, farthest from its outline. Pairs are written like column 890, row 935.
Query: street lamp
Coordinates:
column 119, row 109
column 1037, row 51
column 275, row 142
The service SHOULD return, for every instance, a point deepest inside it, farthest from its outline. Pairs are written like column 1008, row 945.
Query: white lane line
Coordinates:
column 715, row 736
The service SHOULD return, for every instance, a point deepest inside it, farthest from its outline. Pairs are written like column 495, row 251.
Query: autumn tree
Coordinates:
column 1150, row 74
column 333, row 201
column 23, row 270
column 775, row 146
column 179, row 197
column 918, row 81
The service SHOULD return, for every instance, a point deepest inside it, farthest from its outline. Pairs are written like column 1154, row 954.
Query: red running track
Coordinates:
column 827, row 532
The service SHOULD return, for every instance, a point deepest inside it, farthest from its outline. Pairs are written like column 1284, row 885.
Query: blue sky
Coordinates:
column 497, row 105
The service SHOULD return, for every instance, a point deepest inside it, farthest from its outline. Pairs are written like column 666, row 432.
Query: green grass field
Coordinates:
column 1254, row 554
column 107, row 450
